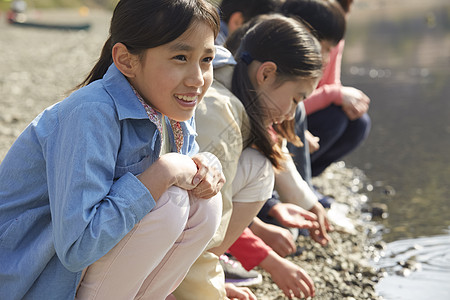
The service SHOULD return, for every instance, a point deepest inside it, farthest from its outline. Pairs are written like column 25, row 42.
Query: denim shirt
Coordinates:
column 68, row 187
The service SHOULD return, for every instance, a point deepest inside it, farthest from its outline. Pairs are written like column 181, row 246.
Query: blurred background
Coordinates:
column 397, row 52
column 43, row 4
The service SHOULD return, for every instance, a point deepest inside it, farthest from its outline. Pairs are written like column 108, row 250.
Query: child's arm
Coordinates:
column 278, row 238
column 329, row 89
column 209, row 179
column 91, row 209
column 170, row 169
column 202, row 174
column 290, row 278
column 293, row 189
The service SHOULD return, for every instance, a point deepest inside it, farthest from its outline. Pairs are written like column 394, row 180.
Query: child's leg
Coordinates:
column 338, row 136
column 204, row 219
column 328, row 124
column 301, row 154
column 355, row 133
column 121, row 273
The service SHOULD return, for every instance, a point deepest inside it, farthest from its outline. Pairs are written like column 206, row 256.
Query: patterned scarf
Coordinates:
column 157, row 119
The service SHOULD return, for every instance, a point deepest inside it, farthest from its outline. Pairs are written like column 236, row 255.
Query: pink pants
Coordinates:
column 153, row 258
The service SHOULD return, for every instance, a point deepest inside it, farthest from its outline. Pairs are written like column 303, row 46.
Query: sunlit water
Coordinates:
column 400, row 56
column 417, row 269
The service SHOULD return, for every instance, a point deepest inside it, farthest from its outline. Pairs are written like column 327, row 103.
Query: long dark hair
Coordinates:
column 346, row 4
column 326, row 17
column 144, row 24
column 248, row 8
column 295, row 51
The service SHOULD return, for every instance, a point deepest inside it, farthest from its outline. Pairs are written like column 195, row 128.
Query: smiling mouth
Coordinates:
column 186, row 98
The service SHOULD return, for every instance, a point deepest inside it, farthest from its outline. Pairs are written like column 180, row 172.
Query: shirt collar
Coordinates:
column 223, row 57
column 122, row 94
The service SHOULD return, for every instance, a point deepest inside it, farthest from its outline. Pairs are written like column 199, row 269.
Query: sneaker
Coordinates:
column 237, row 275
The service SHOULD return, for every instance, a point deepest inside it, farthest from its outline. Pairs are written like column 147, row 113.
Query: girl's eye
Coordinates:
column 208, row 59
column 180, row 57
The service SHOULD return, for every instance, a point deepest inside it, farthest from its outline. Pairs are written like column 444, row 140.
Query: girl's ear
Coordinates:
column 266, row 73
column 124, row 60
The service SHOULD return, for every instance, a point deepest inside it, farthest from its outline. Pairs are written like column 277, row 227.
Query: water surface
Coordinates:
column 403, row 64
column 398, row 53
column 417, row 269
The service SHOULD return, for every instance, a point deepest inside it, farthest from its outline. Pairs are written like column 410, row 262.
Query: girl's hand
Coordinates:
column 290, row 278
column 276, row 237
column 209, row 178
column 170, row 169
column 238, row 293
column 320, row 234
column 291, row 215
column 180, row 168
column 201, row 174
column 313, row 141
column 354, row 102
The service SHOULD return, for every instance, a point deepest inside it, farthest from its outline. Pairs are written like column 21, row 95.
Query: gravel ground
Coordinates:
column 39, row 67
column 342, row 269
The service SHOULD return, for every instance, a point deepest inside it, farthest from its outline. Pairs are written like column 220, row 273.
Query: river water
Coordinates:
column 398, row 53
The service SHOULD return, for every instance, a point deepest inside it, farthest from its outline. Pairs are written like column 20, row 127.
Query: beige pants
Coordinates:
column 153, row 258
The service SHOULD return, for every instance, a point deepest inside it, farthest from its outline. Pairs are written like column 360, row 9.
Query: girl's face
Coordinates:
column 174, row 77
column 280, row 101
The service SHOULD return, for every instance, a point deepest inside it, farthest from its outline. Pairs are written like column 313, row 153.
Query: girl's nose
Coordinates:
column 195, row 77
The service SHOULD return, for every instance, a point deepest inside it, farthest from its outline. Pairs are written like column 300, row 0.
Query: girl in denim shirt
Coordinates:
column 104, row 196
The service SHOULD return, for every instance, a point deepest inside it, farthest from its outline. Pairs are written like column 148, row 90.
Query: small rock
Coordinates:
column 379, row 210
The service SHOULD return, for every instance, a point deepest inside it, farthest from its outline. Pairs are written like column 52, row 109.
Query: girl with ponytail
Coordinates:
column 278, row 65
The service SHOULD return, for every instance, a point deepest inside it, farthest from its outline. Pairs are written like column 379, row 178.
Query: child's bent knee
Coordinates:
column 214, row 212
column 172, row 206
column 207, row 213
column 177, row 196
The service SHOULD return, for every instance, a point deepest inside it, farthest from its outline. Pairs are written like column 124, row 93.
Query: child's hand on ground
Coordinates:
column 290, row 278
column 238, row 293
column 320, row 234
column 291, row 215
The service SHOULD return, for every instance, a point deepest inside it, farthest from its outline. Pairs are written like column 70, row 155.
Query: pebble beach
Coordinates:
column 344, row 268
